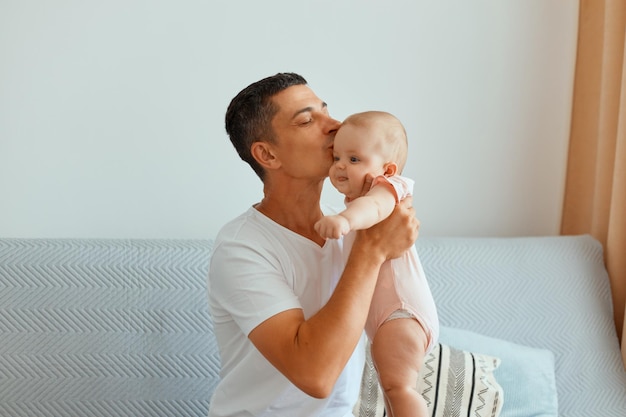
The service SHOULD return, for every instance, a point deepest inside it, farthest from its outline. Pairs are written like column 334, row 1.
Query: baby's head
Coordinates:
column 371, row 142
column 383, row 131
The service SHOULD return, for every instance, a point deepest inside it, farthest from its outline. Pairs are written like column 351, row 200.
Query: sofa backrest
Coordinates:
column 105, row 328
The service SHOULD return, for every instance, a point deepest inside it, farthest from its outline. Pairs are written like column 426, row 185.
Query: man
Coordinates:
column 288, row 316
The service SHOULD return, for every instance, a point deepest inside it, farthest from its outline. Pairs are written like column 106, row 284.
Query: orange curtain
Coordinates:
column 595, row 191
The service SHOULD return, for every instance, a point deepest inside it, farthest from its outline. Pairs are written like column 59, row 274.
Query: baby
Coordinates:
column 402, row 325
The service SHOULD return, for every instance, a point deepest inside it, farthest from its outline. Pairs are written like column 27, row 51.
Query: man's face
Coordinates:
column 304, row 133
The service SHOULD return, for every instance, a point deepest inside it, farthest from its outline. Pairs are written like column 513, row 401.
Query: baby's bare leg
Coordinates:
column 398, row 351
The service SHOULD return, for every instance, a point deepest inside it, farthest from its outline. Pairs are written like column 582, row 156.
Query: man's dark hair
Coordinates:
column 249, row 114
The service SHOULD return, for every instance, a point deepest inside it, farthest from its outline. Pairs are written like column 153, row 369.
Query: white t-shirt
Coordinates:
column 258, row 269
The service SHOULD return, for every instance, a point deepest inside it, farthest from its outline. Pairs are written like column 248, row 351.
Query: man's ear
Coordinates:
column 391, row 169
column 264, row 155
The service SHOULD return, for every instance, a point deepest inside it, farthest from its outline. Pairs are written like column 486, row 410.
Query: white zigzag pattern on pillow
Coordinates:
column 453, row 382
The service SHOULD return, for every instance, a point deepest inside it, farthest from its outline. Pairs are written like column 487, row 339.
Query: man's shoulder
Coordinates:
column 233, row 226
column 253, row 230
column 248, row 225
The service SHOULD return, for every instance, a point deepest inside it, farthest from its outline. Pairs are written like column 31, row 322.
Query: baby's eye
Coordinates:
column 336, row 158
column 354, row 159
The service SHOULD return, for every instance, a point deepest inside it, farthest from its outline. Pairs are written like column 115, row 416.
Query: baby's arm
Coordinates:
column 361, row 213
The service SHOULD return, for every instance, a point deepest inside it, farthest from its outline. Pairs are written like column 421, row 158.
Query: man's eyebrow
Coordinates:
column 308, row 109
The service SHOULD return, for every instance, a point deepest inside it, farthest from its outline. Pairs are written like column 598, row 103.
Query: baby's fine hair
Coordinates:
column 391, row 131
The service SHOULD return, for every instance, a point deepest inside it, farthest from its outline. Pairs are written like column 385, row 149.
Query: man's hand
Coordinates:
column 393, row 236
column 367, row 184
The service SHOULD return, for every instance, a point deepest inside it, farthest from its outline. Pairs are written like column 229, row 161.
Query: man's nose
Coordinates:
column 332, row 126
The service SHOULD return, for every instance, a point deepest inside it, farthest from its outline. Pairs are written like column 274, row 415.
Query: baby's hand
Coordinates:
column 332, row 227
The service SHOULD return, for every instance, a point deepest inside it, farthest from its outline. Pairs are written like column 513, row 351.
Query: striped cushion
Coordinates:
column 453, row 382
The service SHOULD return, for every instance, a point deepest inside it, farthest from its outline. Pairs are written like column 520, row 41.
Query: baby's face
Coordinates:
column 356, row 153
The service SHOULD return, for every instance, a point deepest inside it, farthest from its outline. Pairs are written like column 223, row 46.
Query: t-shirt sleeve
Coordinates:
column 248, row 284
column 402, row 186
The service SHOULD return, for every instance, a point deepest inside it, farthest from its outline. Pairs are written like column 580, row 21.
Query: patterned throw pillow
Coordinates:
column 453, row 382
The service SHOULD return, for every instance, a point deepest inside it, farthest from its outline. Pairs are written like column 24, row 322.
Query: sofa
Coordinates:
column 92, row 327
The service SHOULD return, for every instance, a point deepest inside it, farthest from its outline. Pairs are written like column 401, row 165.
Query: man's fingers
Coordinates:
column 407, row 202
column 367, row 184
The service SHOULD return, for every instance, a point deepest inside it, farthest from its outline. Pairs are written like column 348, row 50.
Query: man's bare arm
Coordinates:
column 312, row 353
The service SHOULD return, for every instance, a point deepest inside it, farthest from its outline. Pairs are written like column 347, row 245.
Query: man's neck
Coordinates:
column 296, row 209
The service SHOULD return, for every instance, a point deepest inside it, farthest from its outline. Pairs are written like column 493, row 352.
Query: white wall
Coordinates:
column 111, row 112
